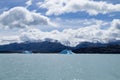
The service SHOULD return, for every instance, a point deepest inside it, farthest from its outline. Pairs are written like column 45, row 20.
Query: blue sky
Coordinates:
column 60, row 16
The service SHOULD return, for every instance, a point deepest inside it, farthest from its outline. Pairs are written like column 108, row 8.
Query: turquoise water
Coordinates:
column 59, row 67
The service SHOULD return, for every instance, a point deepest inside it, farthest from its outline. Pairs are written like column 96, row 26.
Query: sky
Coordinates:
column 67, row 21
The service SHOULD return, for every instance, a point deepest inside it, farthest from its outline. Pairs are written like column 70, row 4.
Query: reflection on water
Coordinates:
column 59, row 67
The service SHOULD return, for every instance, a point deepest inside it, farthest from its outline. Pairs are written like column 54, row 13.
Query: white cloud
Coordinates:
column 116, row 24
column 92, row 32
column 58, row 7
column 29, row 3
column 77, row 23
column 9, row 39
column 114, row 31
column 72, row 37
column 20, row 17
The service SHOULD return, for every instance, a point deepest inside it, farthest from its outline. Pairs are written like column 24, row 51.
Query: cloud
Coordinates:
column 29, row 3
column 9, row 39
column 72, row 37
column 94, row 31
column 116, row 24
column 77, row 23
column 114, row 31
column 20, row 17
column 58, row 7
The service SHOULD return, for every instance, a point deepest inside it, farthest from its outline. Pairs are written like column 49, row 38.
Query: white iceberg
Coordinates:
column 66, row 51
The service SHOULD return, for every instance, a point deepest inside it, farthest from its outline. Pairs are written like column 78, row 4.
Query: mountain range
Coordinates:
column 56, row 47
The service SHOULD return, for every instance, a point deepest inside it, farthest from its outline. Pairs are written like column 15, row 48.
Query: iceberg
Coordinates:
column 66, row 51
column 27, row 52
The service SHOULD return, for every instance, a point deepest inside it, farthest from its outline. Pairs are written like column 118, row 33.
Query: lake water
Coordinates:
column 59, row 67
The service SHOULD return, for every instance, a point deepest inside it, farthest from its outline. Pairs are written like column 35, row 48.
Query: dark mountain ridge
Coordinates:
column 56, row 47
